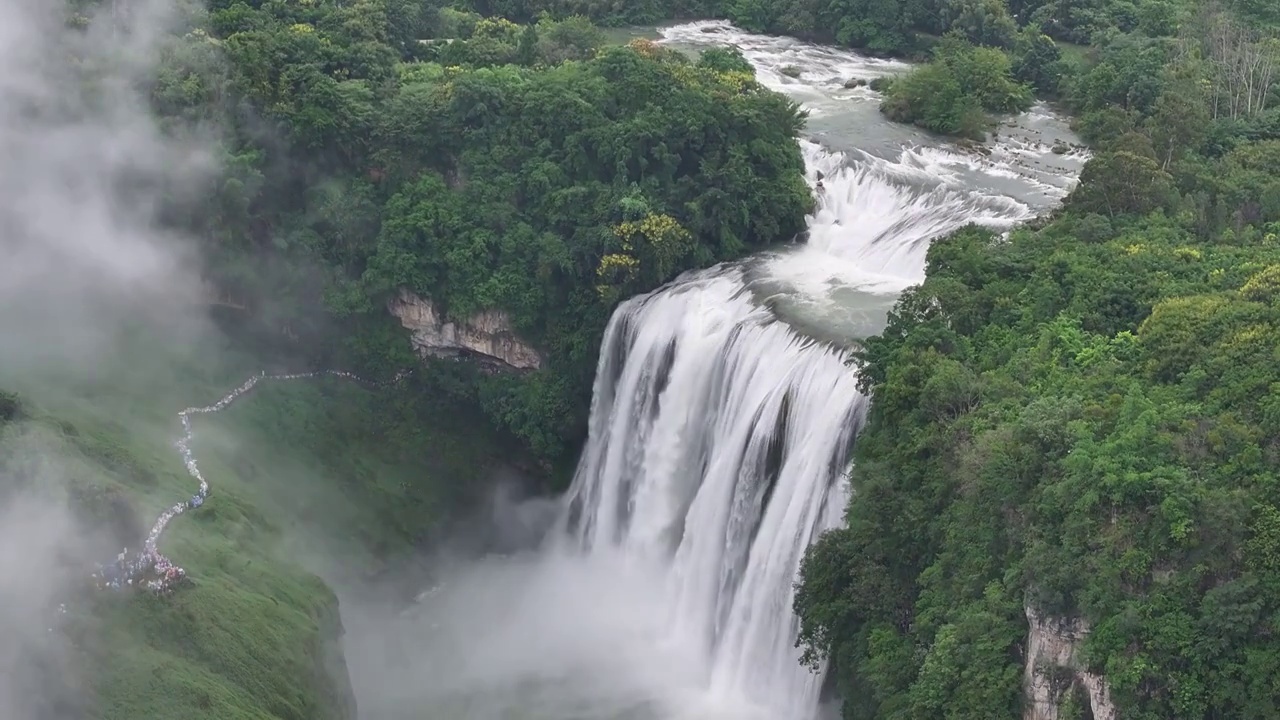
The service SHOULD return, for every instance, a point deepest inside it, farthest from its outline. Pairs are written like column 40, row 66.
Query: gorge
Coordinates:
column 722, row 419
column 753, row 383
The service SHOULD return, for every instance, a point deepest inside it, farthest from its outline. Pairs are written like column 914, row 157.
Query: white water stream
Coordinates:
column 721, row 425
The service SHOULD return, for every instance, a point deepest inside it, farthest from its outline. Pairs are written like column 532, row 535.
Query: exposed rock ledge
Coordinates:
column 1054, row 669
column 487, row 336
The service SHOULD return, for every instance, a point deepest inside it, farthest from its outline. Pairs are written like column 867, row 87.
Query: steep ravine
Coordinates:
column 721, row 424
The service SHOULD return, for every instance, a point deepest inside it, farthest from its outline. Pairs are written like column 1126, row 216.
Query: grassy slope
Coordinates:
column 248, row 637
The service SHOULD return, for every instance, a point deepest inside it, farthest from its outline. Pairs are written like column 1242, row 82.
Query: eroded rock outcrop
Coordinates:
column 1054, row 669
column 487, row 336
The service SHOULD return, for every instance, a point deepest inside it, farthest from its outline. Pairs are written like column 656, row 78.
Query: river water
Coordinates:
column 722, row 421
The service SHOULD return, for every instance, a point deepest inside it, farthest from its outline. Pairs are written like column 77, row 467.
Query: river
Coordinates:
column 724, row 413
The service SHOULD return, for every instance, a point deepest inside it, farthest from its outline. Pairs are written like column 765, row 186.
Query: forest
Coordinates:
column 1082, row 420
column 480, row 163
column 354, row 136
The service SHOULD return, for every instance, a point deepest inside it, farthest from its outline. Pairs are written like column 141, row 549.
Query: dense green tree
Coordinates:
column 983, row 22
column 1038, row 61
column 953, row 93
column 1080, row 420
column 492, row 167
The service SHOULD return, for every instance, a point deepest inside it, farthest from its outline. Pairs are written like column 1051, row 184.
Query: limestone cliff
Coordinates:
column 1054, row 668
column 487, row 336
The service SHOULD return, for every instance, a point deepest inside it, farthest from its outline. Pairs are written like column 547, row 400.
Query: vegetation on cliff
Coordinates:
column 1082, row 419
column 482, row 164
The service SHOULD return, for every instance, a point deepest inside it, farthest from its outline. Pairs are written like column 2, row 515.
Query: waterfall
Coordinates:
column 718, row 440
column 720, row 433
column 724, row 413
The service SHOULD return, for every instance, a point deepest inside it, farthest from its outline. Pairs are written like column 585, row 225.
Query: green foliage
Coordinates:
column 1038, row 61
column 1122, row 182
column 610, row 13
column 725, row 60
column 536, row 180
column 982, row 22
column 892, row 27
column 1081, row 419
column 491, row 167
column 953, row 93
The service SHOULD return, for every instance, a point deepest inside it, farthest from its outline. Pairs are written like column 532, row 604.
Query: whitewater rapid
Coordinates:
column 887, row 190
column 724, row 411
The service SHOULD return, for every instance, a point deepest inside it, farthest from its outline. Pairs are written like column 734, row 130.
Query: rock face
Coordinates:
column 341, row 700
column 1053, row 669
column 486, row 336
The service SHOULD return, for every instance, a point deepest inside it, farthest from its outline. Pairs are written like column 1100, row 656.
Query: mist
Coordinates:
column 84, row 172
column 483, row 558
column 535, row 634
column 505, row 619
column 36, row 680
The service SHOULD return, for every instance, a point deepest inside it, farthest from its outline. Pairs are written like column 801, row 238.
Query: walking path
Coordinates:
column 149, row 568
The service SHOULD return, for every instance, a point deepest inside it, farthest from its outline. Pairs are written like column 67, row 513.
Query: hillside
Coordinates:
column 1075, row 427
column 486, row 166
column 308, row 476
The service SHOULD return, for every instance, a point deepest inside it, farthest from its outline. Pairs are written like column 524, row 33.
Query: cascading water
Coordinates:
column 719, row 435
column 717, row 440
column 721, row 427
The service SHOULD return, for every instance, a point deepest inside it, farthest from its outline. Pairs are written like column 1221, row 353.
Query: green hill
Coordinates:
column 253, row 633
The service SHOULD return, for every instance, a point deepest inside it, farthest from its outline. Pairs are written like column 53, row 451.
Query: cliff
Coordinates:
column 331, row 672
column 488, row 336
column 1053, row 669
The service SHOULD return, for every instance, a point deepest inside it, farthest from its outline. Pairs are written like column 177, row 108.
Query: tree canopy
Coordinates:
column 479, row 163
column 1082, row 419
